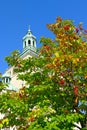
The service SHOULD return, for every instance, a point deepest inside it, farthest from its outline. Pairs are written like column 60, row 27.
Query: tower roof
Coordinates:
column 29, row 34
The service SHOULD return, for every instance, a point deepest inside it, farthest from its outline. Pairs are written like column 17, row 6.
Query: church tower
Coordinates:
column 29, row 50
column 29, row 44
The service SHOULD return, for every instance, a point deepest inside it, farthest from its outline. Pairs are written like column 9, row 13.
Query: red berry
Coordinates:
column 77, row 30
column 85, row 31
column 67, row 27
column 62, row 82
column 47, row 47
column 20, row 95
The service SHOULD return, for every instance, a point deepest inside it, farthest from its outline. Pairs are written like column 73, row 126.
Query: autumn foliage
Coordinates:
column 57, row 79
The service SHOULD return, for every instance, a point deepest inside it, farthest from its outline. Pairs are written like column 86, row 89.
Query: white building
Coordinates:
column 29, row 50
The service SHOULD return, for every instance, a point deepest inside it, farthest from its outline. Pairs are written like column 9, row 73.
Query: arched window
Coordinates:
column 33, row 43
column 29, row 42
column 7, row 80
column 25, row 43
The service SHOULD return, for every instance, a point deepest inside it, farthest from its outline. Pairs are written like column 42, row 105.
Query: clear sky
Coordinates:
column 17, row 15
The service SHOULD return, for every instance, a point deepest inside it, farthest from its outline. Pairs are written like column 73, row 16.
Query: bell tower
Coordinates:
column 29, row 50
column 29, row 44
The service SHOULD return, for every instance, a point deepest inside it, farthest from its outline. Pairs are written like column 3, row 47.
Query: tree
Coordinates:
column 57, row 94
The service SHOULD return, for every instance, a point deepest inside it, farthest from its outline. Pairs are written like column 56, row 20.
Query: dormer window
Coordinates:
column 6, row 80
column 29, row 42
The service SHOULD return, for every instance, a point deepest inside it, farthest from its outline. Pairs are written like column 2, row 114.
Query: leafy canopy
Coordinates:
column 57, row 78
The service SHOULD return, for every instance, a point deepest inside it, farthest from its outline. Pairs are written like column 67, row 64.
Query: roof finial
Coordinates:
column 29, row 28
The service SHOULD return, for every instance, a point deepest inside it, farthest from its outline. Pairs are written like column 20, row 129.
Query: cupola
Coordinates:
column 29, row 42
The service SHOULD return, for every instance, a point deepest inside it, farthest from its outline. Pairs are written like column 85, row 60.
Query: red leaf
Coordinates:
column 76, row 90
column 31, row 119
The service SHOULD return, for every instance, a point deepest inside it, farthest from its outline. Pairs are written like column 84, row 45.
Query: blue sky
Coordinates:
column 17, row 15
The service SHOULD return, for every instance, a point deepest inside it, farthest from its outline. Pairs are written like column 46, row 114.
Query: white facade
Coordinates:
column 29, row 50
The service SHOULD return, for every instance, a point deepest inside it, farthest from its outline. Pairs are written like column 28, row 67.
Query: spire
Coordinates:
column 29, row 28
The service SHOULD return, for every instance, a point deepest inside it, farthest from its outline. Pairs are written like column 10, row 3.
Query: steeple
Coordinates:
column 29, row 28
column 29, row 41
